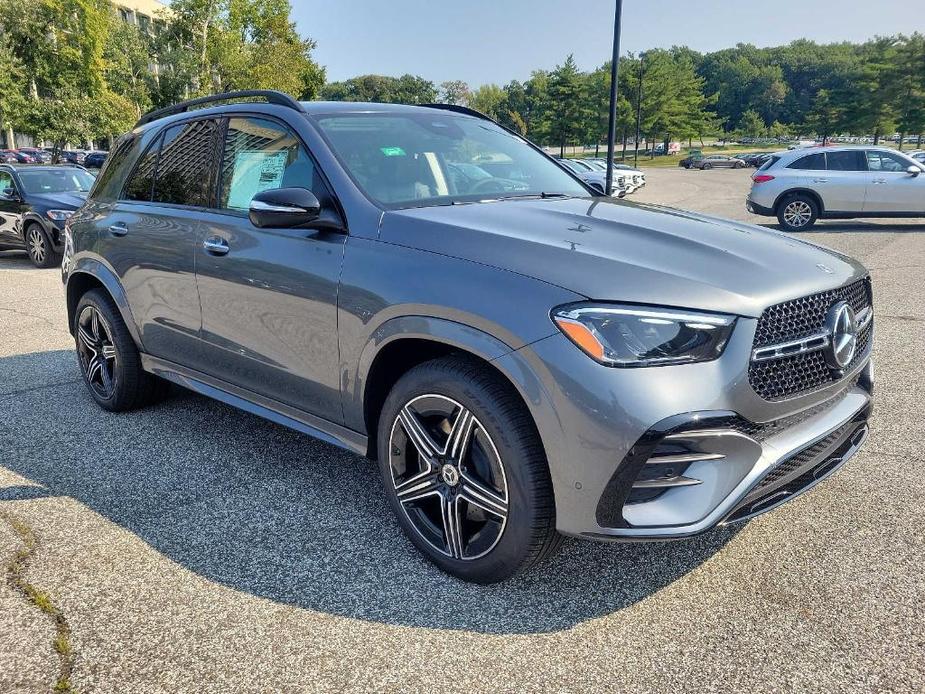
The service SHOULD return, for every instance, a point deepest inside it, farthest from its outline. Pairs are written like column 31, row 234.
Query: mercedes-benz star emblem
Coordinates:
column 450, row 475
column 843, row 333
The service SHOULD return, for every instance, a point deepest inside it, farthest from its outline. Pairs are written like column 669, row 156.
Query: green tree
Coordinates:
column 489, row 99
column 908, row 77
column 751, row 124
column 455, row 92
column 407, row 89
column 567, row 105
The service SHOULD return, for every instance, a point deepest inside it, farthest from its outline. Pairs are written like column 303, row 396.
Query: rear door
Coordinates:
column 891, row 189
column 150, row 234
column 845, row 182
column 269, row 296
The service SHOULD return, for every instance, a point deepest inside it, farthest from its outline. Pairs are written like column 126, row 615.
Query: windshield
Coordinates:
column 56, row 181
column 419, row 159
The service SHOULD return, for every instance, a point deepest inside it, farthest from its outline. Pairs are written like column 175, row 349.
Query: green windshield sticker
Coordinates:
column 392, row 151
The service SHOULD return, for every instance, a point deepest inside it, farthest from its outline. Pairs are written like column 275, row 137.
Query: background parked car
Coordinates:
column 801, row 186
column 35, row 201
column 718, row 161
column 22, row 157
column 72, row 156
column 7, row 156
column 95, row 160
column 594, row 176
column 688, row 161
column 39, row 156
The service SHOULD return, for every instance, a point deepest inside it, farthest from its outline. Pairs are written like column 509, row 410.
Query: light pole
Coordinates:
column 614, row 73
column 642, row 72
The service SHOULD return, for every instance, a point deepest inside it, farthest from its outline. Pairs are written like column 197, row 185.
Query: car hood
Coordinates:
column 58, row 201
column 614, row 250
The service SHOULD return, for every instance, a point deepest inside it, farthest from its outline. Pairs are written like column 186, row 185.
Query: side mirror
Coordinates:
column 284, row 208
column 599, row 187
column 10, row 195
column 914, row 170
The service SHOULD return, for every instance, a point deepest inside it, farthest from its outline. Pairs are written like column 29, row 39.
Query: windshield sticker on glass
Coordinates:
column 255, row 172
column 392, row 151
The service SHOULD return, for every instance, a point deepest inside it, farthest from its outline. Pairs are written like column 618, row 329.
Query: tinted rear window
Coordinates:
column 186, row 165
column 771, row 161
column 109, row 182
column 851, row 160
column 812, row 162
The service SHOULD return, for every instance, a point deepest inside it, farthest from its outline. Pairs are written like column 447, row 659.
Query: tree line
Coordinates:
column 73, row 71
column 873, row 88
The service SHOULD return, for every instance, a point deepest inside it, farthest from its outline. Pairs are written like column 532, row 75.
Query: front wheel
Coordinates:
column 706, row 167
column 39, row 247
column 797, row 212
column 465, row 472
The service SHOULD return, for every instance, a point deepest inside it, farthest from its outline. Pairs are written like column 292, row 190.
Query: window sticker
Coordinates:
column 255, row 172
column 392, row 151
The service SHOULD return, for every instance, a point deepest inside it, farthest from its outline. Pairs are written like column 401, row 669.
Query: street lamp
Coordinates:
column 614, row 73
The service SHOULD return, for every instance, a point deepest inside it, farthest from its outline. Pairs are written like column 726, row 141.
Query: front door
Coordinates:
column 890, row 188
column 11, row 211
column 269, row 296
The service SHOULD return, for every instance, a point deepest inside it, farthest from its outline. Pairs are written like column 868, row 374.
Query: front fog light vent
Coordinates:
column 665, row 470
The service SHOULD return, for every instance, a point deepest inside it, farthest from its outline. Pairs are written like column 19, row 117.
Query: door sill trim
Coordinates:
column 254, row 403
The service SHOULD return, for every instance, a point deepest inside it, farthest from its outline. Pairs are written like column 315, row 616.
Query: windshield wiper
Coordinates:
column 539, row 196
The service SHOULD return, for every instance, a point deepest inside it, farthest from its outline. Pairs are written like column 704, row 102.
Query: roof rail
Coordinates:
column 272, row 97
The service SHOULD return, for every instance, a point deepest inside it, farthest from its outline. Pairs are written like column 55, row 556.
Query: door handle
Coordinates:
column 879, row 180
column 118, row 229
column 820, row 180
column 215, row 245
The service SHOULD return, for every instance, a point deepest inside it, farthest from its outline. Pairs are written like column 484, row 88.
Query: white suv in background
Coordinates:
column 801, row 186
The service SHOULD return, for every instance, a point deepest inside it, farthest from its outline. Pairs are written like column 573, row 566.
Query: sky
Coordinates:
column 482, row 41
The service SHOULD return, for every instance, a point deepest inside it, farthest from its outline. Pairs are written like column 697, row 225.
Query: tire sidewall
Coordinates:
column 814, row 212
column 508, row 555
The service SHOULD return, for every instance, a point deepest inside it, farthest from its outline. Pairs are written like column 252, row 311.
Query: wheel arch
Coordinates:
column 809, row 192
column 92, row 274
column 403, row 343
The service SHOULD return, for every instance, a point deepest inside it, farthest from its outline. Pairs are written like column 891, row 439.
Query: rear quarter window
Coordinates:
column 109, row 182
column 811, row 162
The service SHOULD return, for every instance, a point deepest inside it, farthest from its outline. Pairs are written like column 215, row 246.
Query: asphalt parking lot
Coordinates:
column 192, row 547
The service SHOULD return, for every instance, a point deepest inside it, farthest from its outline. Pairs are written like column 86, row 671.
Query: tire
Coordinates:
column 797, row 212
column 499, row 485
column 39, row 247
column 739, row 165
column 108, row 359
column 706, row 167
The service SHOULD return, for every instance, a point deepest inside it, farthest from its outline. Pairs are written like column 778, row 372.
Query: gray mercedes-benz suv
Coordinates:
column 523, row 356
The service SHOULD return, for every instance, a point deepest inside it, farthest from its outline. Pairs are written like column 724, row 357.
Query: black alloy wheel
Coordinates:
column 108, row 357
column 465, row 471
column 448, row 477
column 96, row 352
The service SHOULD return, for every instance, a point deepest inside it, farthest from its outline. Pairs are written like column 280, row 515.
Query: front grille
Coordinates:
column 784, row 377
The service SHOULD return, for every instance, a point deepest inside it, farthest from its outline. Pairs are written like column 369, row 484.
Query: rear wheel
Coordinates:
column 465, row 471
column 108, row 359
column 39, row 248
column 797, row 212
column 706, row 167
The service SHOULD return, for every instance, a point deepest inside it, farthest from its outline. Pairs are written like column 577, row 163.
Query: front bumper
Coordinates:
column 600, row 424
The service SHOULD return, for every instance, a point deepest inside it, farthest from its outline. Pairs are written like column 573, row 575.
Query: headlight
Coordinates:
column 59, row 215
column 642, row 336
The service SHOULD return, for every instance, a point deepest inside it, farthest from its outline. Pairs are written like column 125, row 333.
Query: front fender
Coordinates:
column 76, row 281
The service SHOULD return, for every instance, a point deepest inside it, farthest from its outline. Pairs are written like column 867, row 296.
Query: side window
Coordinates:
column 139, row 185
column 6, row 182
column 260, row 155
column 108, row 184
column 850, row 160
column 186, row 164
column 813, row 162
column 885, row 161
